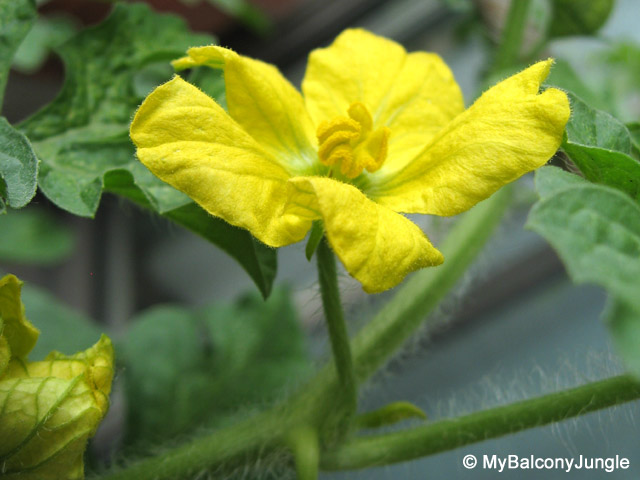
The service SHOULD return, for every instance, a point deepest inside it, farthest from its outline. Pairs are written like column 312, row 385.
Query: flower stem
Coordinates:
column 337, row 329
column 454, row 433
column 407, row 311
column 512, row 34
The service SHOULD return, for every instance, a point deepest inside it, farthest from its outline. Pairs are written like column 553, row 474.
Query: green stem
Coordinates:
column 372, row 347
column 337, row 328
column 454, row 433
column 408, row 309
column 512, row 35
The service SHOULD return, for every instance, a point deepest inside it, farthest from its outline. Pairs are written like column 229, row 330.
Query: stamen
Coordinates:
column 350, row 142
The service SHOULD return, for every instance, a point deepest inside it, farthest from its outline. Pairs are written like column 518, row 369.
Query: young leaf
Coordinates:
column 16, row 19
column 596, row 231
column 601, row 146
column 82, row 137
column 623, row 320
column 223, row 357
column 579, row 18
column 18, row 168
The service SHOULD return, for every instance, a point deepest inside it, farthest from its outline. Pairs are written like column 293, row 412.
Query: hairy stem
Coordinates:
column 409, row 308
column 371, row 347
column 337, row 331
column 512, row 35
column 454, row 433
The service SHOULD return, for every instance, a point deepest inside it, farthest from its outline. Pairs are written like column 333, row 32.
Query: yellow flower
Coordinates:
column 48, row 409
column 377, row 132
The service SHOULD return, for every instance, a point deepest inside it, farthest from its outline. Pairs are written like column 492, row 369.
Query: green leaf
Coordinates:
column 46, row 34
column 18, row 167
column 83, row 133
column 623, row 320
column 221, row 358
column 16, row 18
column 634, row 130
column 579, row 18
column 82, row 137
column 600, row 146
column 596, row 231
column 33, row 237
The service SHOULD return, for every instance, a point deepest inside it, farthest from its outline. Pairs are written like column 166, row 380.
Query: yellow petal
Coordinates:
column 19, row 334
column 95, row 365
column 376, row 245
column 190, row 142
column 415, row 94
column 510, row 130
column 44, row 427
column 264, row 103
column 49, row 409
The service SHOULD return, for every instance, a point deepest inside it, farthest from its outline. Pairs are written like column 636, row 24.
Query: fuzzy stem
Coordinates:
column 512, row 34
column 408, row 309
column 372, row 347
column 337, row 329
column 454, row 433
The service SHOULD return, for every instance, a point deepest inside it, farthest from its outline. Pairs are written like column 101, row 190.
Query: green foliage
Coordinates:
column 82, row 137
column 18, row 168
column 46, row 34
column 596, row 231
column 601, row 148
column 34, row 238
column 18, row 164
column 16, row 18
column 579, row 18
column 186, row 368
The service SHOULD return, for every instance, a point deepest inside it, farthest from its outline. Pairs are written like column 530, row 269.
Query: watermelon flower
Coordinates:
column 377, row 132
column 49, row 408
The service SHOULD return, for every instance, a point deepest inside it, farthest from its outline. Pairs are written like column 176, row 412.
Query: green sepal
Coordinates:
column 303, row 442
column 389, row 414
column 315, row 237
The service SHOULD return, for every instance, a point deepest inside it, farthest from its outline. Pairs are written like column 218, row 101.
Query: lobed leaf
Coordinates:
column 16, row 19
column 82, row 137
column 223, row 357
column 596, row 231
column 579, row 18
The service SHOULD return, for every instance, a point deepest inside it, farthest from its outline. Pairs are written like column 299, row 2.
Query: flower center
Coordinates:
column 351, row 144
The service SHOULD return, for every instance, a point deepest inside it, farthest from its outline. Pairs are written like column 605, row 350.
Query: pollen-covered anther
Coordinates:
column 350, row 144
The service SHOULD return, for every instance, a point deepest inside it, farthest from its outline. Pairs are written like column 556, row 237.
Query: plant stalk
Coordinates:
column 453, row 433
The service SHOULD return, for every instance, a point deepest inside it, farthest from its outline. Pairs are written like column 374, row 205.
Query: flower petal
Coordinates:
column 376, row 245
column 190, row 142
column 264, row 103
column 510, row 130
column 18, row 334
column 44, row 427
column 415, row 95
column 49, row 409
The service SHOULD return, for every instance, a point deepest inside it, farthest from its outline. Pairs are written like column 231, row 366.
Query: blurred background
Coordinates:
column 516, row 327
